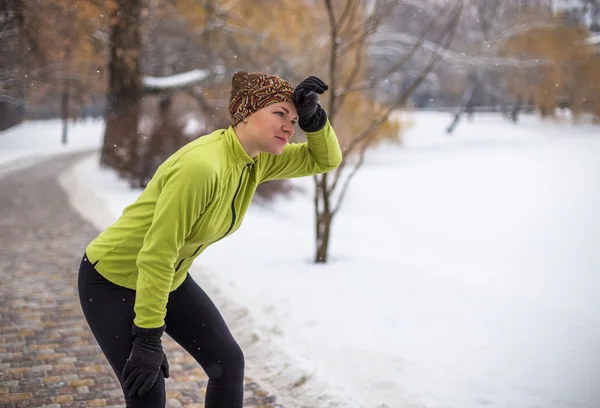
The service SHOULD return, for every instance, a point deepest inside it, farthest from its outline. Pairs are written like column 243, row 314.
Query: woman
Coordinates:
column 133, row 279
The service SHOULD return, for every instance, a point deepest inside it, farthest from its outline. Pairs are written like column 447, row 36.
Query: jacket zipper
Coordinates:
column 195, row 252
column 233, row 217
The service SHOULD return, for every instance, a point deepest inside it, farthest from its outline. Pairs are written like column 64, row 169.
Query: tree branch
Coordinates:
column 459, row 59
column 346, row 184
column 395, row 67
column 353, row 74
column 502, row 37
column 368, row 134
column 369, row 26
column 343, row 23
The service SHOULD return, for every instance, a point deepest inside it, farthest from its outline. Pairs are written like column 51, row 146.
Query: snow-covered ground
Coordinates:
column 33, row 141
column 465, row 271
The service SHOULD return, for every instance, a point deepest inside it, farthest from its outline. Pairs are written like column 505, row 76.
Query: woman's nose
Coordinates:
column 289, row 128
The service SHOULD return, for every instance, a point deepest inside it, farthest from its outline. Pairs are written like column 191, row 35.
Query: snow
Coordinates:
column 464, row 271
column 594, row 39
column 32, row 141
column 183, row 79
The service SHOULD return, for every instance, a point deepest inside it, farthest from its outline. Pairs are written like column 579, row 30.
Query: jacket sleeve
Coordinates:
column 185, row 191
column 320, row 154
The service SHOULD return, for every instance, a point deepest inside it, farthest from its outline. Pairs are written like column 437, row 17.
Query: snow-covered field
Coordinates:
column 465, row 271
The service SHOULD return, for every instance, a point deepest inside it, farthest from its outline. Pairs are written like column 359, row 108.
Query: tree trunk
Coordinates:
column 324, row 229
column 324, row 216
column 465, row 102
column 516, row 109
column 323, row 212
column 156, row 143
column 65, row 112
column 13, row 63
column 120, row 145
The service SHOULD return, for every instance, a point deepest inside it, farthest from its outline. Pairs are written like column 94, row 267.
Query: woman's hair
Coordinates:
column 253, row 91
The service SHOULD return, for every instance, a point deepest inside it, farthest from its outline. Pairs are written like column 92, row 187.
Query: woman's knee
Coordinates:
column 156, row 397
column 230, row 364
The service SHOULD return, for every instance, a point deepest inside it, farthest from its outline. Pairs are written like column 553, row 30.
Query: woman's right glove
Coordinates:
column 146, row 360
column 311, row 116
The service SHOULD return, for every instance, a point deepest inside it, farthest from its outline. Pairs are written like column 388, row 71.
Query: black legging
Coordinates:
column 192, row 320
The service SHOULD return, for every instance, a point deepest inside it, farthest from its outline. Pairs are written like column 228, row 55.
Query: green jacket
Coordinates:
column 198, row 196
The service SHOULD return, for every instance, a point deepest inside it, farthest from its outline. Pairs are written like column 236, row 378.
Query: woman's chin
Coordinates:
column 276, row 150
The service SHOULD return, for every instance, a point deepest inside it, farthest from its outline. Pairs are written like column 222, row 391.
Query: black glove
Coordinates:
column 146, row 359
column 311, row 117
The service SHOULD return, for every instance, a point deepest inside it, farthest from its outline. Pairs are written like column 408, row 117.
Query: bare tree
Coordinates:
column 486, row 28
column 44, row 62
column 16, row 38
column 344, row 37
column 476, row 53
column 583, row 12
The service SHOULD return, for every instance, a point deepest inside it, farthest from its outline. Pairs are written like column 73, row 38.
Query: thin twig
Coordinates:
column 395, row 67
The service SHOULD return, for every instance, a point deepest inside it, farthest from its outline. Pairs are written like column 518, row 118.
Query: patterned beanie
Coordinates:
column 253, row 91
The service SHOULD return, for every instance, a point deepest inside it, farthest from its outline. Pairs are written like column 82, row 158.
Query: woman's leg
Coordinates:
column 108, row 309
column 194, row 322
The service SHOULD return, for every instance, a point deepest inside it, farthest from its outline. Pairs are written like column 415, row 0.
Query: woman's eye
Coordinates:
column 279, row 113
column 293, row 122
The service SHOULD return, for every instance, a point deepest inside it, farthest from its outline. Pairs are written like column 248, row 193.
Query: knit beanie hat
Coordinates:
column 255, row 90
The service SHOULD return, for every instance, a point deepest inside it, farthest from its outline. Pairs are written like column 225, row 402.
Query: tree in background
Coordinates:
column 14, row 62
column 78, row 52
column 352, row 107
column 45, row 57
column 570, row 76
column 486, row 66
column 486, row 28
column 124, row 95
column 584, row 13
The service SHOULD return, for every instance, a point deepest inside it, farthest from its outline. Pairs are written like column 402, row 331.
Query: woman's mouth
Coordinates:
column 283, row 140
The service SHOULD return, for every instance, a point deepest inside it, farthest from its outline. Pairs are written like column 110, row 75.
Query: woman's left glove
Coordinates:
column 311, row 116
column 146, row 360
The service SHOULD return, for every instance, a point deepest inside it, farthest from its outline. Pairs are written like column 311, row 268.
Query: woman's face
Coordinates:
column 272, row 127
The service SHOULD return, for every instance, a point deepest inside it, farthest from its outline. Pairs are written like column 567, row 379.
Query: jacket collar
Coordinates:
column 235, row 150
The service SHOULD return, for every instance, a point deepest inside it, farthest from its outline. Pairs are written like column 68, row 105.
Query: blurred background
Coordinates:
column 86, row 58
